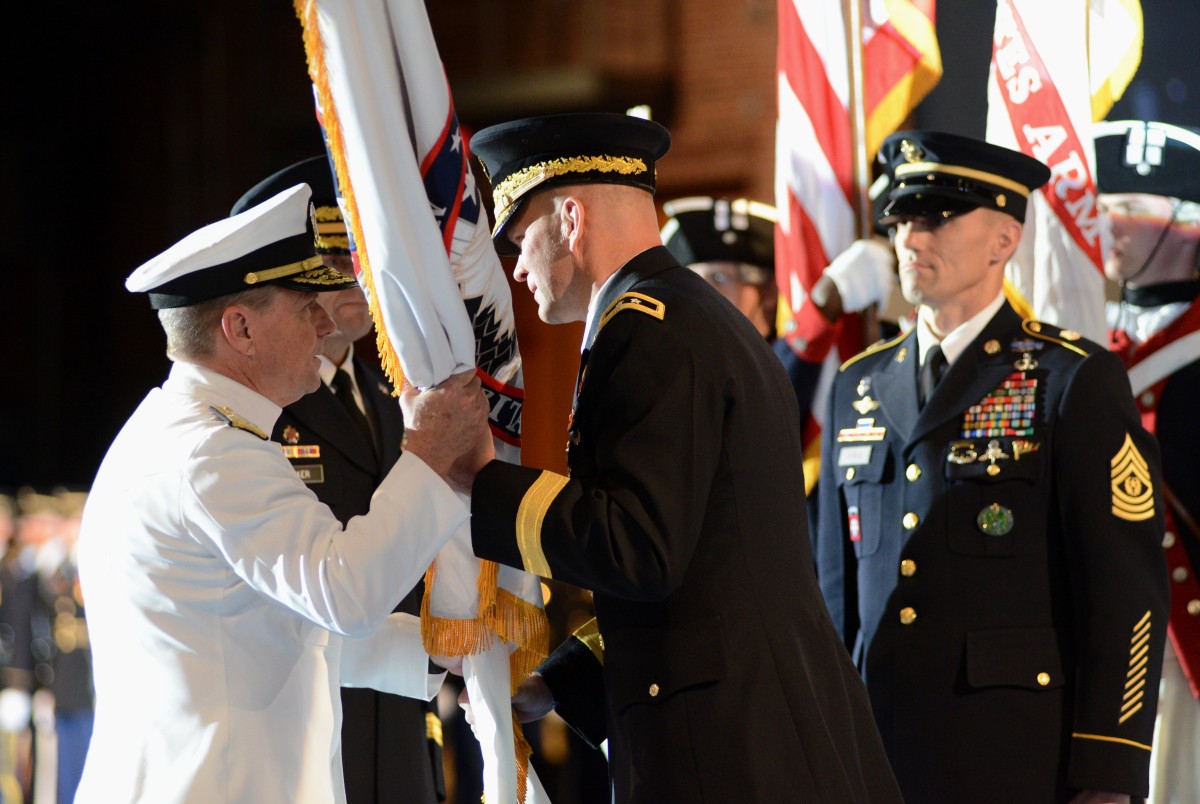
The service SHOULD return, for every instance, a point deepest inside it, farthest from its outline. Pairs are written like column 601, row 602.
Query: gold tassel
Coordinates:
column 306, row 11
column 523, row 751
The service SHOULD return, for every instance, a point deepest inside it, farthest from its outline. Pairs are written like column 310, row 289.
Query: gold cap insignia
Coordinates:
column 912, row 151
column 1132, row 490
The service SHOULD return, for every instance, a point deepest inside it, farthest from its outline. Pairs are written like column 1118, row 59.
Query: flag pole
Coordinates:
column 860, row 163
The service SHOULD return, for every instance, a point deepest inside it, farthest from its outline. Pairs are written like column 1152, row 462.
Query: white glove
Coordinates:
column 864, row 274
column 15, row 709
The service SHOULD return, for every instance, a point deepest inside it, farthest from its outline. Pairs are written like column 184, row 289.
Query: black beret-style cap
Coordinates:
column 317, row 173
column 935, row 174
column 539, row 152
column 1133, row 156
column 706, row 229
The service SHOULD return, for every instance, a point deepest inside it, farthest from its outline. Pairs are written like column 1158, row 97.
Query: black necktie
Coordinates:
column 931, row 373
column 343, row 389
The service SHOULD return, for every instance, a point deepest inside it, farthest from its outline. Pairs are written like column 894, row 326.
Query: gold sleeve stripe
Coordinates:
column 634, row 301
column 433, row 728
column 1102, row 738
column 1132, row 490
column 530, row 514
column 1130, row 713
column 589, row 635
column 1136, row 687
column 1143, row 623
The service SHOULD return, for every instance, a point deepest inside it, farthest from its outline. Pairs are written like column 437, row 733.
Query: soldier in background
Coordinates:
column 342, row 439
column 1148, row 175
column 990, row 514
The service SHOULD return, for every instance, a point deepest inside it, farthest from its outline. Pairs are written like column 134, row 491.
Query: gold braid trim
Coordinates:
column 501, row 614
column 506, row 193
column 306, row 12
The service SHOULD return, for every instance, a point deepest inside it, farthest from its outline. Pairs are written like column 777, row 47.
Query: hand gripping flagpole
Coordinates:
column 441, row 305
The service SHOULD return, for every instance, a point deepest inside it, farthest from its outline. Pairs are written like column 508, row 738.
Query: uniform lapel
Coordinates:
column 385, row 412
column 894, row 385
column 977, row 371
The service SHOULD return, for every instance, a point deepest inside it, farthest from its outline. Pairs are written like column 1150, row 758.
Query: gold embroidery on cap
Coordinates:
column 506, row 193
column 1132, row 491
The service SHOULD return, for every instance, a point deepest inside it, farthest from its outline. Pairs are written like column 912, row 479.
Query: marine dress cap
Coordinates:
column 702, row 229
column 318, row 175
column 539, row 152
column 271, row 243
column 939, row 175
column 1133, row 156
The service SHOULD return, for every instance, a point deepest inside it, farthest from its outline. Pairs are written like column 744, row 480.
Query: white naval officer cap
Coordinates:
column 271, row 243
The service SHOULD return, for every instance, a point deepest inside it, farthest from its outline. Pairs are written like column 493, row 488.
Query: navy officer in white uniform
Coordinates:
column 226, row 603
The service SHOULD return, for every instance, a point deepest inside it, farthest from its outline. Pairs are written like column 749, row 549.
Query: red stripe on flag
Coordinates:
column 801, row 63
column 888, row 57
column 1043, row 129
column 812, row 334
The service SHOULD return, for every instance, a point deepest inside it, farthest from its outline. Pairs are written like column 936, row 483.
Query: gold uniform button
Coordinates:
column 1043, row 679
column 913, row 472
column 1180, row 574
column 850, row 473
column 910, row 520
column 1194, row 608
column 908, row 568
column 1168, row 540
column 653, row 690
column 908, row 615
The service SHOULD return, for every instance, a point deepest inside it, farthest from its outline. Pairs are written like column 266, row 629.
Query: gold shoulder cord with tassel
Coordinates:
column 501, row 613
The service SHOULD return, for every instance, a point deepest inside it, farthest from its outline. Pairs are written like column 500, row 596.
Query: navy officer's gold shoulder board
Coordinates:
column 226, row 414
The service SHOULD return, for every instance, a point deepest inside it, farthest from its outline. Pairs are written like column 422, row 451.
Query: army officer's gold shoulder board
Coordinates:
column 634, row 301
column 227, row 415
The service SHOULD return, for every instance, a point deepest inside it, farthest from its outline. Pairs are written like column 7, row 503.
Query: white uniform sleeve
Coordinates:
column 391, row 659
column 244, row 503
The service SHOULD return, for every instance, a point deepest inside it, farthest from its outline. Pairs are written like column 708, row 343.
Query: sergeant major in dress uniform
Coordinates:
column 990, row 514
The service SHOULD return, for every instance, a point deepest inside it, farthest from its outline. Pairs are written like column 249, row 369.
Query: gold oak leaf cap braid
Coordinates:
column 523, row 156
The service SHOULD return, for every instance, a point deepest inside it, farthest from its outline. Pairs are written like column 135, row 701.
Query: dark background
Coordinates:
column 127, row 126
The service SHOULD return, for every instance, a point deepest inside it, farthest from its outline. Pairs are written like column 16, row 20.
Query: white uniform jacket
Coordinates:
column 217, row 587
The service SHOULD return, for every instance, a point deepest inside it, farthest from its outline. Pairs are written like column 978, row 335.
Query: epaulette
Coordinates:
column 878, row 346
column 1048, row 332
column 227, row 415
column 634, row 301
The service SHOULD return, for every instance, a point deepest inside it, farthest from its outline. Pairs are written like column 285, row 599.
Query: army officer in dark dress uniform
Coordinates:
column 722, row 679
column 990, row 514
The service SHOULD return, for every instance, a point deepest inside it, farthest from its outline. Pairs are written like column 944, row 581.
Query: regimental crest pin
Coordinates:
column 864, row 385
column 291, row 435
column 912, row 151
column 992, row 347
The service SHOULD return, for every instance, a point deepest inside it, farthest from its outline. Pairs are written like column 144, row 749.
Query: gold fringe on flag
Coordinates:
column 306, row 11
